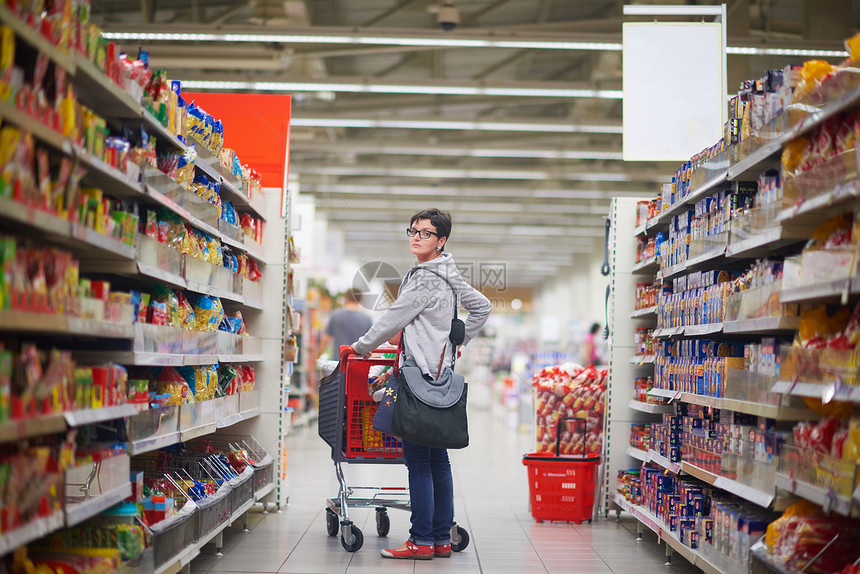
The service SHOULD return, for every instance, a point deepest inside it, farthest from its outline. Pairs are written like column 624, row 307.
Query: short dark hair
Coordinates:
column 353, row 295
column 441, row 220
column 595, row 327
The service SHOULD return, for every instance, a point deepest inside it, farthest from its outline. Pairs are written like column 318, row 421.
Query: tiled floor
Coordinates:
column 491, row 504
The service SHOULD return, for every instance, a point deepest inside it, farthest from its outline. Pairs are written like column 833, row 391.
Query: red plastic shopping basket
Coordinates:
column 561, row 487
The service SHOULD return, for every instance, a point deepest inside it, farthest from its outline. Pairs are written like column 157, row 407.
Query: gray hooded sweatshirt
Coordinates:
column 423, row 309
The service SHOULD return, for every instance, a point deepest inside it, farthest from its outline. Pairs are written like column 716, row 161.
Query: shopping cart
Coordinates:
column 346, row 412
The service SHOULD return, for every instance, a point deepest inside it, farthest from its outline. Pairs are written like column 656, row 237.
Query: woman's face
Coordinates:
column 425, row 249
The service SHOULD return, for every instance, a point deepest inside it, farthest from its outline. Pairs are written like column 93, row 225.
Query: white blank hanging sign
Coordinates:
column 674, row 99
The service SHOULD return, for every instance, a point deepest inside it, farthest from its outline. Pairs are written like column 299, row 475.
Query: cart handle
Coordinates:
column 341, row 366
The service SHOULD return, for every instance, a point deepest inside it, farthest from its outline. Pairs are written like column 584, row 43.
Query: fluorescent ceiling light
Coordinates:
column 428, row 89
column 429, row 41
column 441, row 42
column 453, row 151
column 787, row 52
column 442, row 173
column 453, row 125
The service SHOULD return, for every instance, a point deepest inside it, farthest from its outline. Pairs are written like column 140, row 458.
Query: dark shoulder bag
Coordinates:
column 432, row 412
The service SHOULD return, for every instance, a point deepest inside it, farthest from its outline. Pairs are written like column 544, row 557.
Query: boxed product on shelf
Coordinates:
column 698, row 366
column 569, row 391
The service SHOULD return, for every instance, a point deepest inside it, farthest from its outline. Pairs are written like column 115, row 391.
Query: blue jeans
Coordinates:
column 431, row 494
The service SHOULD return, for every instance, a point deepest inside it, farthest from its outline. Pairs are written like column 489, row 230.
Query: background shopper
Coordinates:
column 347, row 324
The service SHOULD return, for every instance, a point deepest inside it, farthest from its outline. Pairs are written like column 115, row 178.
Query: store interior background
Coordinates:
column 531, row 196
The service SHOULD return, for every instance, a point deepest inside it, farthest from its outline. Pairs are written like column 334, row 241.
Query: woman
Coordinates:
column 423, row 311
column 590, row 356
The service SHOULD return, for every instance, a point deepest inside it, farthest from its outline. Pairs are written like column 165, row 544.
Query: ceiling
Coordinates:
column 523, row 145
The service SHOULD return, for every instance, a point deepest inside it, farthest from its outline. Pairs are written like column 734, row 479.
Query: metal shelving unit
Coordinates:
column 107, row 256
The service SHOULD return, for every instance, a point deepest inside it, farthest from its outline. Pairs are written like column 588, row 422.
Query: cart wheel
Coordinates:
column 356, row 535
column 383, row 523
column 331, row 523
column 589, row 521
column 460, row 539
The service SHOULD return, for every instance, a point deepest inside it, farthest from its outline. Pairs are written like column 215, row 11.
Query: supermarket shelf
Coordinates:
column 760, row 245
column 638, row 453
column 35, row 39
column 214, row 291
column 158, row 129
column 18, row 429
column 650, row 407
column 183, row 213
column 111, row 179
column 639, row 230
column 141, row 359
column 762, row 498
column 761, row 325
column 646, row 312
column 229, row 421
column 179, row 561
column 665, row 393
column 821, row 207
column 253, row 358
column 39, row 130
column 705, row 190
column 647, row 267
column 655, row 525
column 90, row 416
column 251, row 413
column 254, row 304
column 211, row 166
column 672, row 467
column 695, row 263
column 759, row 552
column 198, row 431
column 816, row 494
column 150, row 444
column 99, row 91
column 642, row 359
column 51, row 323
column 263, row 492
column 748, row 407
column 161, row 198
column 35, row 530
column 832, row 290
column 752, row 162
column 253, row 249
column 78, row 512
column 817, row 391
column 700, row 330
column 161, row 275
column 70, row 234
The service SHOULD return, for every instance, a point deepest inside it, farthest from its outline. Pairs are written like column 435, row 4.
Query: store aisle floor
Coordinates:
column 491, row 503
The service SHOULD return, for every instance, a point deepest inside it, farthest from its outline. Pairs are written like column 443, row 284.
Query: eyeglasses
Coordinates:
column 423, row 233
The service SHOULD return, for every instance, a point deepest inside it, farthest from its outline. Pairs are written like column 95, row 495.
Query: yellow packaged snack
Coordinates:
column 852, row 44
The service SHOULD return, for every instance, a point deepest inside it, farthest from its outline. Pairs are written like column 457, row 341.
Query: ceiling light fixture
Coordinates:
column 443, row 173
column 454, row 125
column 438, row 42
column 400, row 89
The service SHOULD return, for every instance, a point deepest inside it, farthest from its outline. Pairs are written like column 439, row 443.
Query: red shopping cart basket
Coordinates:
column 562, row 487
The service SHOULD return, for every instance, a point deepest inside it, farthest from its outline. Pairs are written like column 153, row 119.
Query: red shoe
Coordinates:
column 442, row 550
column 409, row 551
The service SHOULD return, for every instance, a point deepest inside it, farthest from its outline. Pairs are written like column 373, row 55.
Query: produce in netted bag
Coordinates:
column 569, row 391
